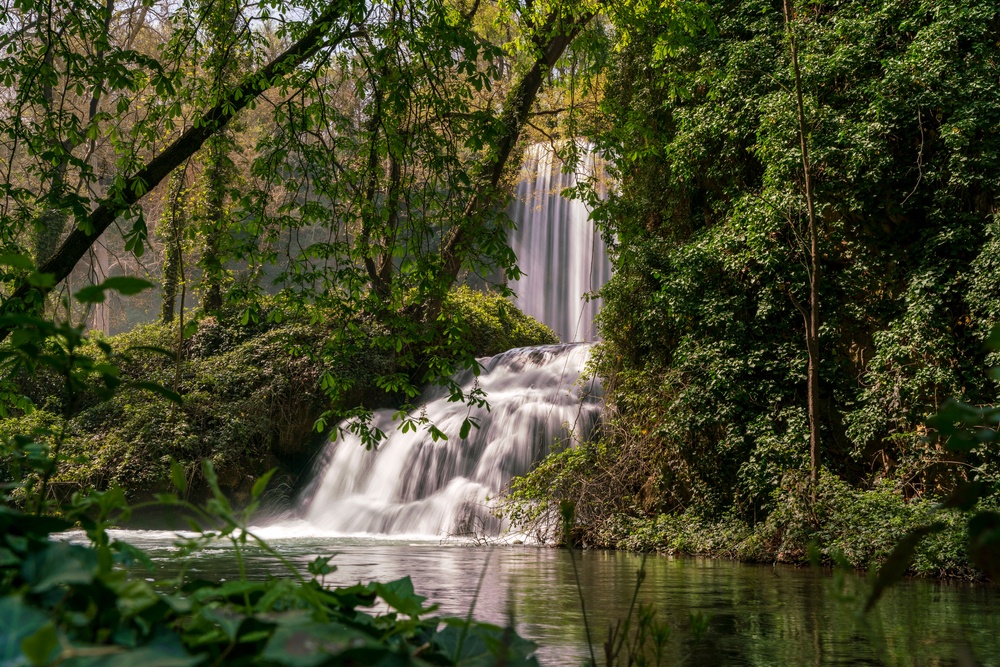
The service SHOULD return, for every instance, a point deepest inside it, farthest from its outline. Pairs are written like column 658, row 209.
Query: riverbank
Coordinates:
column 846, row 527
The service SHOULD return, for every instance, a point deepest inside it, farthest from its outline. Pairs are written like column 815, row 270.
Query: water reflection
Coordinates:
column 756, row 615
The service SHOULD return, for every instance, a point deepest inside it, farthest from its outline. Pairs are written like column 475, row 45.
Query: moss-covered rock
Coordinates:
column 495, row 324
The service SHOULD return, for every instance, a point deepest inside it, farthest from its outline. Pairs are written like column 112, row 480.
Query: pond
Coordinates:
column 719, row 612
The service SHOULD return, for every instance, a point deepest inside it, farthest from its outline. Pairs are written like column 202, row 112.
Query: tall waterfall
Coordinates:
column 414, row 485
column 560, row 252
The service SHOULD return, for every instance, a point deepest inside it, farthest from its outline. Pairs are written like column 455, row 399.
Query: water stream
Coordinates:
column 558, row 248
column 418, row 485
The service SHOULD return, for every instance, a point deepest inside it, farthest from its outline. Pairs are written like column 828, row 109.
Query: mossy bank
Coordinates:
column 251, row 389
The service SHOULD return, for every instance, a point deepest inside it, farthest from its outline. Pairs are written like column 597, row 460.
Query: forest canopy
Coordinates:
column 799, row 158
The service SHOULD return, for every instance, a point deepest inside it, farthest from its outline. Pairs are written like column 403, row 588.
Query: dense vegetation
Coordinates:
column 251, row 397
column 705, row 355
column 802, row 225
column 804, row 236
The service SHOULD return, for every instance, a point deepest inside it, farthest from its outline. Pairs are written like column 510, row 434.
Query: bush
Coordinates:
column 82, row 604
column 493, row 323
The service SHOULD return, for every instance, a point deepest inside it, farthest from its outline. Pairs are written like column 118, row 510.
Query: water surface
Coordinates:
column 751, row 615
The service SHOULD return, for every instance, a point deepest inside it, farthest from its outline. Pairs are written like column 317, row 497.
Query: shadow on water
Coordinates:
column 756, row 615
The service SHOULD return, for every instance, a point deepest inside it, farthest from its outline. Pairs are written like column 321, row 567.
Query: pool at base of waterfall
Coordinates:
column 751, row 614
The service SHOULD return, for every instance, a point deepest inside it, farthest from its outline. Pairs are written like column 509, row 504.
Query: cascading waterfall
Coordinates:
column 558, row 248
column 414, row 485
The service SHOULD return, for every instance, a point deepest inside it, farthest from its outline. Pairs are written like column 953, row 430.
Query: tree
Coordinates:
column 171, row 231
column 128, row 188
column 711, row 389
column 810, row 315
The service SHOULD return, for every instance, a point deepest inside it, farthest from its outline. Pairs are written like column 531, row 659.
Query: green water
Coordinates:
column 756, row 615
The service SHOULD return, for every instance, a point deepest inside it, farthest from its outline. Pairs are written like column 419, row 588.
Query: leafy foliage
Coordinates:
column 704, row 357
column 252, row 394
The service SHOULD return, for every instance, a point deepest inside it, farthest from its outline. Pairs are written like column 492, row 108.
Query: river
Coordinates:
column 750, row 615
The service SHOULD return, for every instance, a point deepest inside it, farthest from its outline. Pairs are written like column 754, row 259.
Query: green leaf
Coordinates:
column 312, row 644
column 22, row 262
column 899, row 560
column 484, row 645
column 18, row 621
column 399, row 595
column 261, row 483
column 126, row 285
column 965, row 496
column 130, row 554
column 59, row 564
column 321, row 566
column 135, row 596
column 984, row 542
column 154, row 349
column 165, row 651
column 42, row 280
column 157, row 388
column 40, row 646
column 177, row 476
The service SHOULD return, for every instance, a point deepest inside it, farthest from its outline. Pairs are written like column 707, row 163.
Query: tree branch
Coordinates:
column 122, row 198
column 552, row 40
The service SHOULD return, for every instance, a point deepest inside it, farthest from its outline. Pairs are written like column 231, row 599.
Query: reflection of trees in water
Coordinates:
column 758, row 615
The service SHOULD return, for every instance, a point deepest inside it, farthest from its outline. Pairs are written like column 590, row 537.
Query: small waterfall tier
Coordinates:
column 414, row 485
column 558, row 248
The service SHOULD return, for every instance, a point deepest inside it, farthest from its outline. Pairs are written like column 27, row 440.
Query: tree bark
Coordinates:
column 215, row 224
column 171, row 229
column 120, row 200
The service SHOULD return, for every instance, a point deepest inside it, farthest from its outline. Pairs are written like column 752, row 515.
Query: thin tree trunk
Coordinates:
column 179, row 352
column 215, row 223
column 172, row 232
column 812, row 320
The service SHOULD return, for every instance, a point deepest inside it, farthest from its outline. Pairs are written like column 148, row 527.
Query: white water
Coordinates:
column 558, row 248
column 415, row 486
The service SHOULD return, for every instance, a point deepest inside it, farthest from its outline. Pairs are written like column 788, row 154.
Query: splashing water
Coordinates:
column 559, row 250
column 413, row 485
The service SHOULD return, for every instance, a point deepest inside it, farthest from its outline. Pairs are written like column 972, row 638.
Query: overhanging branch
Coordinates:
column 76, row 245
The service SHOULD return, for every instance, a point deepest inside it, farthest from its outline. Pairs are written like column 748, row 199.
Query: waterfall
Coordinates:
column 559, row 250
column 414, row 485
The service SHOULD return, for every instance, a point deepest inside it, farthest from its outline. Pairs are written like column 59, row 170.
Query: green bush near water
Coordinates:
column 858, row 529
column 850, row 527
column 494, row 324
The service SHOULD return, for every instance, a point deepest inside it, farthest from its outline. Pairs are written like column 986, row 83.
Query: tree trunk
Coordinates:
column 551, row 41
column 171, row 230
column 812, row 317
column 215, row 227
